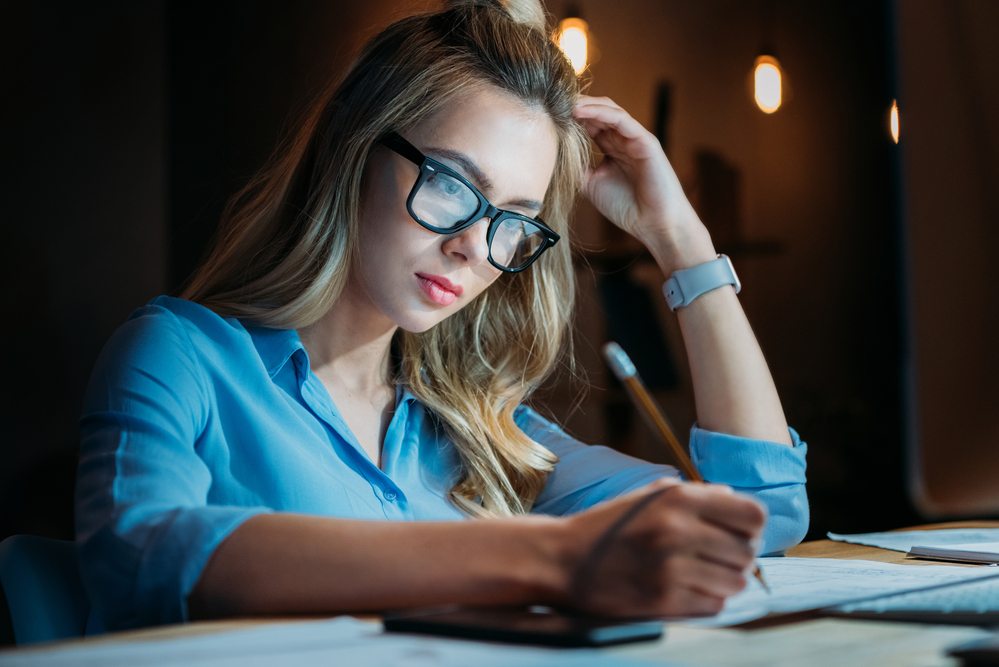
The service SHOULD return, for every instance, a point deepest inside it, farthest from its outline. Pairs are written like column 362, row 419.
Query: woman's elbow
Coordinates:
column 787, row 525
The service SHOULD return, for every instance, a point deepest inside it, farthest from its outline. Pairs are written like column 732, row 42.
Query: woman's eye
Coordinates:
column 446, row 185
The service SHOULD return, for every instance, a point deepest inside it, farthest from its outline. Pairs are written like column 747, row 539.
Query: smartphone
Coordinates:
column 534, row 625
column 980, row 652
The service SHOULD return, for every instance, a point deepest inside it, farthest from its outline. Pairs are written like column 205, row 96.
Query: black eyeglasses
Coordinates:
column 444, row 202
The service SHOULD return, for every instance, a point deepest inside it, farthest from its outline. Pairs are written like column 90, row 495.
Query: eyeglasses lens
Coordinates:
column 515, row 242
column 445, row 202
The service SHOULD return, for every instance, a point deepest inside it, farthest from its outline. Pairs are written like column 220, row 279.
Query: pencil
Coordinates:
column 625, row 371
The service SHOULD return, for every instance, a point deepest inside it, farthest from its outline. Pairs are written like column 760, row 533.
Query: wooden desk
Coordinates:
column 793, row 641
column 831, row 549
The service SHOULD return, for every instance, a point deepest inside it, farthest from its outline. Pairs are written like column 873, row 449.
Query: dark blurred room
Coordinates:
column 127, row 126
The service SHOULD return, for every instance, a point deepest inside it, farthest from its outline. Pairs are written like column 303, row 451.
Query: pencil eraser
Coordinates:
column 619, row 361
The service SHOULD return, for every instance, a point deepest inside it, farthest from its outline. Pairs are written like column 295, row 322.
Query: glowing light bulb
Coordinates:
column 572, row 39
column 893, row 120
column 767, row 84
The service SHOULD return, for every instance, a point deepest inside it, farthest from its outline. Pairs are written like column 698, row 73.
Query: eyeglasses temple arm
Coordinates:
column 395, row 142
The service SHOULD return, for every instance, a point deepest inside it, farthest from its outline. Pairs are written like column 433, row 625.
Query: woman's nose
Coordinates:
column 470, row 245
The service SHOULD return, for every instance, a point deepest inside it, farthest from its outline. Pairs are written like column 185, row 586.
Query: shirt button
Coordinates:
column 390, row 495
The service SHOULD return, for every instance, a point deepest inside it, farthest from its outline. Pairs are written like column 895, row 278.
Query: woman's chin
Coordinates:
column 420, row 322
column 419, row 315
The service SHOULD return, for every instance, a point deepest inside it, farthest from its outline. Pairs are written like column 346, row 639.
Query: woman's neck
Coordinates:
column 349, row 353
column 350, row 348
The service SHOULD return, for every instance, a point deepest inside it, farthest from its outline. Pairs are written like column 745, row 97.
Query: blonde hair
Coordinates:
column 289, row 237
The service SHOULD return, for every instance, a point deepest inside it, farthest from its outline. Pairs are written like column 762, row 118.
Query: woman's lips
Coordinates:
column 440, row 290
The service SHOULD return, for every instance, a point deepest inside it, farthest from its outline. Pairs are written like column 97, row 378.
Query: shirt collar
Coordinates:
column 402, row 395
column 275, row 346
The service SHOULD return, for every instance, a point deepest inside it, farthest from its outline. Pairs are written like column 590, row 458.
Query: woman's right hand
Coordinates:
column 668, row 549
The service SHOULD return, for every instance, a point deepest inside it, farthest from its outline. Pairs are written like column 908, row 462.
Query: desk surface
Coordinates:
column 797, row 640
column 845, row 550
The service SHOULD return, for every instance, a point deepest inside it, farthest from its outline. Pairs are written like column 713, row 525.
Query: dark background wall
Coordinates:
column 951, row 86
column 82, row 225
column 126, row 126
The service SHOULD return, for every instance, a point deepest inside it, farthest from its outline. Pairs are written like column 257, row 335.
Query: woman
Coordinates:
column 381, row 300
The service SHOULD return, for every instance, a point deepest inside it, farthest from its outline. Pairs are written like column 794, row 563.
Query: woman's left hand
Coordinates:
column 635, row 187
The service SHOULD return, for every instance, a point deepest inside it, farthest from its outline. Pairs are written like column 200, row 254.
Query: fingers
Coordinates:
column 599, row 114
column 599, row 117
column 705, row 579
column 670, row 548
column 720, row 547
column 685, row 602
column 677, row 586
column 694, row 588
column 722, row 525
column 634, row 184
column 592, row 99
column 718, row 505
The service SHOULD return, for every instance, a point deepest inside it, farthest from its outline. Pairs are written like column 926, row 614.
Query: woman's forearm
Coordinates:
column 668, row 549
column 733, row 389
column 281, row 563
column 637, row 189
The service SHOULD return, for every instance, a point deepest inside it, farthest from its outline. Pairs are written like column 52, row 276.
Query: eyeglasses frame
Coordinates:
column 428, row 167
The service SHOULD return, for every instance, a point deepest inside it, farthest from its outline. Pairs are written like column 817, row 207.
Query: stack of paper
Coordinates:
column 982, row 552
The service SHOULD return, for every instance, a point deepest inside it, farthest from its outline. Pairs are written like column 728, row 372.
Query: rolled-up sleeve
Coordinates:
column 771, row 472
column 585, row 475
column 144, row 528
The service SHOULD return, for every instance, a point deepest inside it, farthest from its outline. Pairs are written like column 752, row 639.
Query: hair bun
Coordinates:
column 527, row 12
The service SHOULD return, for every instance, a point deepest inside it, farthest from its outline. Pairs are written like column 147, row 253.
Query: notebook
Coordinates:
column 983, row 552
column 974, row 602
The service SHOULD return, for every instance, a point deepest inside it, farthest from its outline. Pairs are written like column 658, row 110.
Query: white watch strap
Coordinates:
column 686, row 285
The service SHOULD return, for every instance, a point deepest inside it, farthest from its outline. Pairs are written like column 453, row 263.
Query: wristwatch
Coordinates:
column 686, row 285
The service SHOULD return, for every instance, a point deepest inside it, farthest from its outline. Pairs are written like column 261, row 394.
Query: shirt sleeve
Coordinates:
column 143, row 524
column 771, row 472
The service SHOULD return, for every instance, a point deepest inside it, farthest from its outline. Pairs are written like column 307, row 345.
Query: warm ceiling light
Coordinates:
column 893, row 120
column 573, row 34
column 767, row 83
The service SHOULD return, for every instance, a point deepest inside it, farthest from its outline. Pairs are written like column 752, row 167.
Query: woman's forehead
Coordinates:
column 495, row 139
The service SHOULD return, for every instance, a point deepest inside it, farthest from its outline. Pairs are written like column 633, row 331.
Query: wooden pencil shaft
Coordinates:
column 650, row 410
column 654, row 416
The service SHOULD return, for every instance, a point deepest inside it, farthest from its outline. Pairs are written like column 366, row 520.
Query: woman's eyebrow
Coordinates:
column 477, row 176
column 482, row 181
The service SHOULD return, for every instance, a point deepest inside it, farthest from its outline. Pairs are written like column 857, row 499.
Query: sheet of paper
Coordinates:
column 905, row 540
column 981, row 596
column 819, row 643
column 797, row 584
column 340, row 641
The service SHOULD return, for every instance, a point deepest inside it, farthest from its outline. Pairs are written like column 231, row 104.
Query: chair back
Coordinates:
column 43, row 589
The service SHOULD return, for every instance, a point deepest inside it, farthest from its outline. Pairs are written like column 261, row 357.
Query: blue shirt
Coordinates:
column 193, row 423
